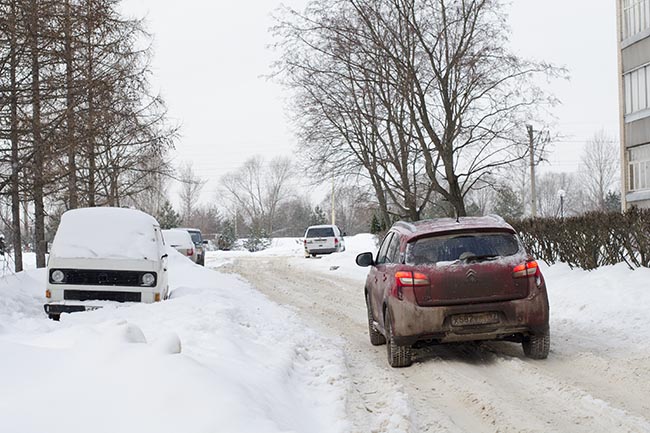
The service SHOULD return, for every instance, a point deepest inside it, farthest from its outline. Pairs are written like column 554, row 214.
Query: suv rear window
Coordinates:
column 450, row 248
column 320, row 232
column 196, row 237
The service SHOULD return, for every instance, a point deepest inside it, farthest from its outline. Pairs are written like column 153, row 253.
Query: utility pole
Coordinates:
column 532, row 171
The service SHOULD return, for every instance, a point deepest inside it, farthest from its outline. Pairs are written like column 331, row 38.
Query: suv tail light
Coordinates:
column 408, row 279
column 336, row 241
column 190, row 252
column 525, row 270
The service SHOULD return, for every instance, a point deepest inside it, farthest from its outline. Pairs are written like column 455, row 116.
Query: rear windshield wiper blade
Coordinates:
column 482, row 257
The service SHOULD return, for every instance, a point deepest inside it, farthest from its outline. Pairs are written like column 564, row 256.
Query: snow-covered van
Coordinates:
column 105, row 254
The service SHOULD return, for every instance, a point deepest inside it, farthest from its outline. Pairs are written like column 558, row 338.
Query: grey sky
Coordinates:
column 210, row 58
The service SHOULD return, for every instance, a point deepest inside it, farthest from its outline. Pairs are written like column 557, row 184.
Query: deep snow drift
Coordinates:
column 245, row 364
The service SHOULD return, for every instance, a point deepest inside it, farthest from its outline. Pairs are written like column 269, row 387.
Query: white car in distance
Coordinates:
column 105, row 254
column 181, row 241
column 323, row 239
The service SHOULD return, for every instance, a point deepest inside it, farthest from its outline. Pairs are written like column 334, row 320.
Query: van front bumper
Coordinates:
column 57, row 308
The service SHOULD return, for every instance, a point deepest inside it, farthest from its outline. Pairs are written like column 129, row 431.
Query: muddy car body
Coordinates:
column 449, row 280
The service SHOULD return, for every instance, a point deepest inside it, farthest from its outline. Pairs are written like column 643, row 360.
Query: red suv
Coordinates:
column 448, row 280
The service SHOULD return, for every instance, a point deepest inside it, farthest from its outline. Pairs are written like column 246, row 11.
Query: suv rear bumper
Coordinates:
column 413, row 323
column 321, row 250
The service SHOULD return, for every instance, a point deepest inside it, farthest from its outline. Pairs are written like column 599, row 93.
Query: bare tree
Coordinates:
column 78, row 123
column 420, row 88
column 191, row 187
column 257, row 189
column 600, row 168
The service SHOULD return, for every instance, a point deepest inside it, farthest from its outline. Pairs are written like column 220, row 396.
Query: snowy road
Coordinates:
column 587, row 385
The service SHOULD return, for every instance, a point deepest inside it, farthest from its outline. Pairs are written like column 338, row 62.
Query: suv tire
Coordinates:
column 398, row 356
column 376, row 337
column 537, row 346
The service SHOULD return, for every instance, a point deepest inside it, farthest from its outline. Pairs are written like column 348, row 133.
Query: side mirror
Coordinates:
column 365, row 260
column 344, row 234
column 164, row 256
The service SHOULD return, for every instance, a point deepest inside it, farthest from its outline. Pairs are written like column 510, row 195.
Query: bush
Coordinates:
column 257, row 241
column 591, row 240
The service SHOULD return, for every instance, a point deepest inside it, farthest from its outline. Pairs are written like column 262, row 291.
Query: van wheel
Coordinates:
column 313, row 254
column 398, row 356
column 376, row 337
column 537, row 346
column 55, row 317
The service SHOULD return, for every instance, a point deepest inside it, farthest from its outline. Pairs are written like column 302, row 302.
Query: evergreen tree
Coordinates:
column 317, row 217
column 168, row 218
column 508, row 204
column 257, row 241
column 613, row 201
column 375, row 225
column 227, row 237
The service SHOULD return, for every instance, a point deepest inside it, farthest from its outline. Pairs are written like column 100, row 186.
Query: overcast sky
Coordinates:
column 210, row 59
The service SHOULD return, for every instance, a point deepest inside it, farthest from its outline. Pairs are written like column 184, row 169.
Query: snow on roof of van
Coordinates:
column 106, row 232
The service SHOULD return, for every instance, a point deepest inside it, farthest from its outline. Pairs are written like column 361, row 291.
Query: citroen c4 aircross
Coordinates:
column 449, row 280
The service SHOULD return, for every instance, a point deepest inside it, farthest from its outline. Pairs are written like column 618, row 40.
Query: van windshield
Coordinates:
column 460, row 247
column 320, row 232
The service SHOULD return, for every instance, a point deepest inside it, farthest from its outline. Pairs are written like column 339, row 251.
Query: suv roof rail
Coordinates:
column 408, row 226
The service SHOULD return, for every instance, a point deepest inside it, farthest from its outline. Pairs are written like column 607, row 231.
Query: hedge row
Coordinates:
column 590, row 240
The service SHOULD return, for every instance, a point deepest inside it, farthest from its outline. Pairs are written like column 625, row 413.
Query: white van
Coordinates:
column 105, row 254
column 323, row 239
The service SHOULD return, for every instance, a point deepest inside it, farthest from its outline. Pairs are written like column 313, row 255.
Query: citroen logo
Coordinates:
column 471, row 275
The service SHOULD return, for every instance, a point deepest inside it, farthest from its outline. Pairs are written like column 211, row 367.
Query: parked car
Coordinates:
column 449, row 280
column 323, row 239
column 105, row 254
column 199, row 243
column 182, row 242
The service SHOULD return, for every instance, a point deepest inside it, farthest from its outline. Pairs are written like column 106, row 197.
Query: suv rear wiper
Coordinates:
column 481, row 258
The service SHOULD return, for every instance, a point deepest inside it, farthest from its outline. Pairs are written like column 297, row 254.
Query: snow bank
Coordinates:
column 604, row 309
column 342, row 263
column 245, row 364
column 107, row 233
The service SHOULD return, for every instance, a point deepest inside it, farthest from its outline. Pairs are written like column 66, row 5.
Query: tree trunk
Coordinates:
column 90, row 133
column 39, row 154
column 73, row 198
column 15, row 161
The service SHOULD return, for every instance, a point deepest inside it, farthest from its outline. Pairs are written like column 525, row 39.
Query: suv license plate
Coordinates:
column 474, row 319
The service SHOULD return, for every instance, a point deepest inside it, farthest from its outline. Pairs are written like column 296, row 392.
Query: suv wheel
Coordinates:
column 376, row 337
column 398, row 356
column 537, row 346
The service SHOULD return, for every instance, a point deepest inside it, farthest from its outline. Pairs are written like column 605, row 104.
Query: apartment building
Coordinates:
column 634, row 90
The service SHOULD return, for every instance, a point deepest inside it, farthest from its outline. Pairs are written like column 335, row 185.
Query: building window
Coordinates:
column 639, row 168
column 636, row 17
column 637, row 89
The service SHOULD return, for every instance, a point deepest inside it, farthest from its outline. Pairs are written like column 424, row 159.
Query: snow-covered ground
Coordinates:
column 220, row 356
column 245, row 364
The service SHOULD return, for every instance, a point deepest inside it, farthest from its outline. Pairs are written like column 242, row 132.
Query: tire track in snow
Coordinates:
column 454, row 388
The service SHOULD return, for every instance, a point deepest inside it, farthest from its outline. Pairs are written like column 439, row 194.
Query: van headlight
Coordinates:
column 57, row 276
column 148, row 279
